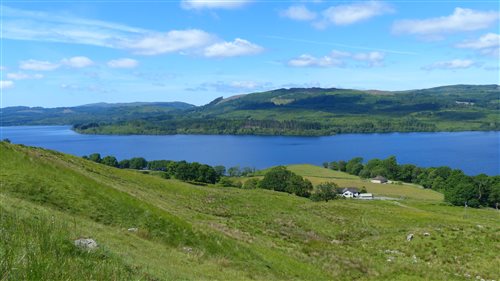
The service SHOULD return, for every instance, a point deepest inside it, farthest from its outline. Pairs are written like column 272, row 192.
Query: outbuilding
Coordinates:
column 365, row 196
column 379, row 179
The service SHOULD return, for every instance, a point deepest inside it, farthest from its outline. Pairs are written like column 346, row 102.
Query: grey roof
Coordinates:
column 351, row 189
column 381, row 178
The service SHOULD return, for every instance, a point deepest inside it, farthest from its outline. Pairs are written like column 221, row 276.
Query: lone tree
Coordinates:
column 281, row 179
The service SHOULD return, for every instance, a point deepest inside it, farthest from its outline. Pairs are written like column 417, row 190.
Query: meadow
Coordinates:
column 188, row 232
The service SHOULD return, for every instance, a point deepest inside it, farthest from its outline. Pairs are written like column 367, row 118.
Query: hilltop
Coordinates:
column 295, row 111
column 190, row 232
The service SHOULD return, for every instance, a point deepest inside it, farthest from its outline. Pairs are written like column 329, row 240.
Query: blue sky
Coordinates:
column 65, row 54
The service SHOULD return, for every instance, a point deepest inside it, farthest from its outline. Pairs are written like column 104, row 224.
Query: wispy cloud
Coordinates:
column 213, row 4
column 340, row 45
column 488, row 44
column 23, row 76
column 338, row 59
column 299, row 13
column 459, row 21
column 123, row 63
column 238, row 47
column 234, row 87
column 38, row 65
column 45, row 27
column 6, row 84
column 451, row 64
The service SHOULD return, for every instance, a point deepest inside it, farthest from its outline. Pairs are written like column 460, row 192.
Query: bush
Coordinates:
column 325, row 191
column 252, row 183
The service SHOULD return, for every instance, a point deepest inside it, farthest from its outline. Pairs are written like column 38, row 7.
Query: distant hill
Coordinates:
column 318, row 111
column 150, row 228
column 98, row 112
column 295, row 111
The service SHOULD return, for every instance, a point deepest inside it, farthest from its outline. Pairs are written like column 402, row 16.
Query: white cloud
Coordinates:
column 123, row 63
column 6, row 84
column 353, row 13
column 213, row 4
column 52, row 27
column 38, row 65
column 488, row 44
column 306, row 60
column 77, row 62
column 337, row 59
column 172, row 41
column 372, row 58
column 23, row 76
column 461, row 20
column 239, row 47
column 300, row 13
column 452, row 64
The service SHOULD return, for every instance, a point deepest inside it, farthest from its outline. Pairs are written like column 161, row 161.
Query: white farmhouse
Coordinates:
column 350, row 192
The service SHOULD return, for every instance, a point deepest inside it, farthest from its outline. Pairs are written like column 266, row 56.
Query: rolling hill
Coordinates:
column 187, row 232
column 317, row 111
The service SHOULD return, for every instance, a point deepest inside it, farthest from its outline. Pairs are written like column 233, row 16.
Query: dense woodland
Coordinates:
column 458, row 188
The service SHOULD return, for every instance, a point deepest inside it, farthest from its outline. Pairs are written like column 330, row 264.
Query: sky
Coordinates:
column 68, row 53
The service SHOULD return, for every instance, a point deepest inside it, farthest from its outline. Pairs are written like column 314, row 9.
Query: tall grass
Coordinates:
column 41, row 248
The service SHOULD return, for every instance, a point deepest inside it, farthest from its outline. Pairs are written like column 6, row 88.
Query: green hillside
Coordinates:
column 317, row 111
column 187, row 232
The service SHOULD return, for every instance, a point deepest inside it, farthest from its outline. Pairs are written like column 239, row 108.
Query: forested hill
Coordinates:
column 311, row 111
column 97, row 112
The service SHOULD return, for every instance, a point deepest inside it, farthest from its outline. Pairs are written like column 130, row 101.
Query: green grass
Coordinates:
column 189, row 232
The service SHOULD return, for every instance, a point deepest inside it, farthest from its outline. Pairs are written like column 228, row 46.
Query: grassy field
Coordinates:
column 318, row 175
column 189, row 232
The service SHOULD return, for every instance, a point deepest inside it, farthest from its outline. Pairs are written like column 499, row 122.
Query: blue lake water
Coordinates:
column 473, row 152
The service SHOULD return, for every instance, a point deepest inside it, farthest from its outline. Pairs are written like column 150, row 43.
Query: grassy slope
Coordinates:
column 190, row 232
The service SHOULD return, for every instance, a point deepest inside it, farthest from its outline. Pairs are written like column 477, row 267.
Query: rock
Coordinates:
column 133, row 229
column 427, row 234
column 187, row 249
column 389, row 260
column 86, row 243
column 409, row 237
column 479, row 226
column 415, row 260
column 396, row 252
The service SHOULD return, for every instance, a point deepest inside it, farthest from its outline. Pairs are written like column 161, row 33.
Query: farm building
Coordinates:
column 365, row 196
column 350, row 192
column 379, row 179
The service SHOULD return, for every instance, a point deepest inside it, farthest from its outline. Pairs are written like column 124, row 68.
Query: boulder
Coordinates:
column 427, row 234
column 86, row 244
column 133, row 229
column 409, row 237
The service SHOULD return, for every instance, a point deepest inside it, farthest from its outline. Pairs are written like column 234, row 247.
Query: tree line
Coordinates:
column 458, row 188
column 181, row 170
